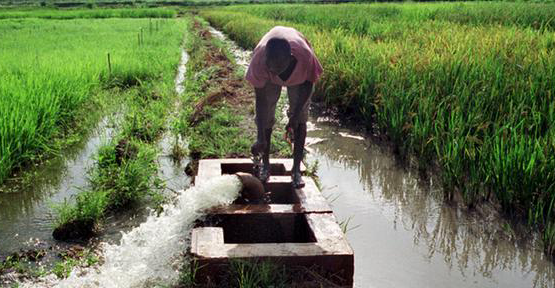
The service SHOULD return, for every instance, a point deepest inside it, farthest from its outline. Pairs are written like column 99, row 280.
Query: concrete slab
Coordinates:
column 303, row 200
column 208, row 168
column 329, row 250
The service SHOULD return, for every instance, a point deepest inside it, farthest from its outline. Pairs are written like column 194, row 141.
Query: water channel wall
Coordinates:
column 297, row 228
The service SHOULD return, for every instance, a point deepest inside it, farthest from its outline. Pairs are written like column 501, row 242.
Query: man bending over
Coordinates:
column 283, row 57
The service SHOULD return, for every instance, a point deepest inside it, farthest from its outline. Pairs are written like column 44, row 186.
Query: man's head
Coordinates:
column 278, row 55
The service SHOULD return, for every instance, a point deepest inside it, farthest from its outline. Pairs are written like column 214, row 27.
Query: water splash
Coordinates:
column 150, row 254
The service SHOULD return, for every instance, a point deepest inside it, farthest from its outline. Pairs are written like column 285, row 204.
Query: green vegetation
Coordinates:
column 478, row 99
column 25, row 262
column 49, row 69
column 125, row 171
column 252, row 274
column 71, row 259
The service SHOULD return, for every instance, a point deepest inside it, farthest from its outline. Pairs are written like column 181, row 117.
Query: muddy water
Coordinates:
column 402, row 232
column 25, row 208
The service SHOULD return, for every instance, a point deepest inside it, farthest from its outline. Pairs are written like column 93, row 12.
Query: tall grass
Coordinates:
column 375, row 19
column 50, row 68
column 479, row 100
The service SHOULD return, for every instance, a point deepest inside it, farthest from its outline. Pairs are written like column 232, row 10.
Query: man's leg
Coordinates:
column 265, row 121
column 266, row 155
column 299, row 102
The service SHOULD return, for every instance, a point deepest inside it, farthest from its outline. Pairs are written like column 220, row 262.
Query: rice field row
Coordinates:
column 88, row 13
column 374, row 20
column 476, row 99
column 49, row 69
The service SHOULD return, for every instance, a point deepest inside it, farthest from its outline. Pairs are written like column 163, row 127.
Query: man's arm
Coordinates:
column 261, row 107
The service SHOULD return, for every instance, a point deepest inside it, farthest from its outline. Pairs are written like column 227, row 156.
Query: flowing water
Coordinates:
column 181, row 69
column 151, row 254
column 402, row 232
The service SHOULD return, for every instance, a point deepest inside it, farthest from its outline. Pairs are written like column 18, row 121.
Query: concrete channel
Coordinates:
column 296, row 228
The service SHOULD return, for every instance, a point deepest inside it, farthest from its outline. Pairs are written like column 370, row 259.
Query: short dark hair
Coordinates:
column 278, row 48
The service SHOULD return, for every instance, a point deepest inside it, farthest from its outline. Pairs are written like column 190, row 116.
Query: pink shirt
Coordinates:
column 307, row 68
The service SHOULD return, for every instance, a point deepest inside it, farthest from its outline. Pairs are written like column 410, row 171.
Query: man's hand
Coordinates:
column 258, row 147
column 290, row 129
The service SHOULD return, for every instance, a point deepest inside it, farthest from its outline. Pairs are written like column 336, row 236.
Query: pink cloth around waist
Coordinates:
column 307, row 68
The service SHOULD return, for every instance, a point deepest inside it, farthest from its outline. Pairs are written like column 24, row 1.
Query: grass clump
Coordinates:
column 125, row 173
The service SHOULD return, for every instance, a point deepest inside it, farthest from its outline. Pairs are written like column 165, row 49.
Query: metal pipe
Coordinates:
column 253, row 190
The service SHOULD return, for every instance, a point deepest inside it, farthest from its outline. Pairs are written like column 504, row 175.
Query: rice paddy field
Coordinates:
column 50, row 70
column 462, row 90
column 468, row 86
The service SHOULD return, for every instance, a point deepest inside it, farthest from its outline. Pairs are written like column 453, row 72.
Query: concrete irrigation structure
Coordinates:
column 296, row 228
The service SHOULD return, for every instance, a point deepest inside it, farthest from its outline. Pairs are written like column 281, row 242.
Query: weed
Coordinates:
column 344, row 224
column 63, row 269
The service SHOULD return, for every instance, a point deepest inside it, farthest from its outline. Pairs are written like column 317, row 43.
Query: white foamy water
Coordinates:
column 151, row 254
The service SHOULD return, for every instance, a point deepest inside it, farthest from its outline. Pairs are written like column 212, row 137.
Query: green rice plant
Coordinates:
column 127, row 176
column 374, row 19
column 125, row 171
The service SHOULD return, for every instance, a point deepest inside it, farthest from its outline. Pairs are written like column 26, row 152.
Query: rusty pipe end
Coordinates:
column 253, row 190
